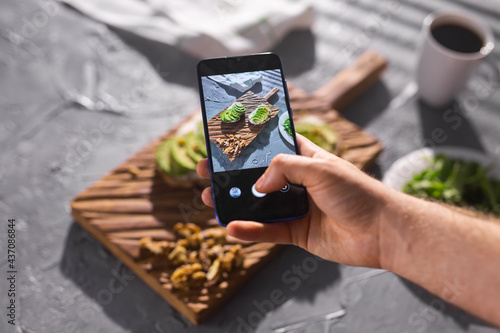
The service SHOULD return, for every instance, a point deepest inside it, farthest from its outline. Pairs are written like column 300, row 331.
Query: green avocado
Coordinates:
column 234, row 114
column 179, row 154
column 200, row 138
column 163, row 157
column 231, row 116
column 165, row 160
column 261, row 114
column 192, row 148
column 200, row 131
column 238, row 108
column 201, row 146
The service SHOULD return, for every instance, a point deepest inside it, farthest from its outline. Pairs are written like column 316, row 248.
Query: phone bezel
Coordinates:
column 239, row 64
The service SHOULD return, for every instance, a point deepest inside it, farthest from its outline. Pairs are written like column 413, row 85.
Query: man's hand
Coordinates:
column 356, row 220
column 345, row 207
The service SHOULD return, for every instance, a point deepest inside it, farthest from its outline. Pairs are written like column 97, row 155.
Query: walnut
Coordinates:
column 215, row 252
column 217, row 234
column 228, row 261
column 182, row 242
column 178, row 255
column 232, row 258
column 194, row 241
column 198, row 278
column 150, row 247
column 231, row 144
column 238, row 255
column 193, row 257
column 182, row 276
column 213, row 271
column 185, row 230
column 201, row 258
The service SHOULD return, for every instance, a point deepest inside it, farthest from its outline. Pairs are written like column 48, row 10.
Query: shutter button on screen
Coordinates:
column 257, row 193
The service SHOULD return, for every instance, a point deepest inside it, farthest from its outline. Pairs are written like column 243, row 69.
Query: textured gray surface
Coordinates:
column 268, row 143
column 52, row 148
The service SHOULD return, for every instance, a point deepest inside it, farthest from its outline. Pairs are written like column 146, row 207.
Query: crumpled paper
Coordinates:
column 204, row 28
column 240, row 81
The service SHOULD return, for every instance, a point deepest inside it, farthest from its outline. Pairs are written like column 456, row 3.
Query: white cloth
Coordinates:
column 240, row 81
column 204, row 28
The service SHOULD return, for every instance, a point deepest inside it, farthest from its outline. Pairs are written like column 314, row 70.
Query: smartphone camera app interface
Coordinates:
column 248, row 119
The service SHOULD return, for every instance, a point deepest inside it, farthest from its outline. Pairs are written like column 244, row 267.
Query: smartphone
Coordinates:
column 247, row 121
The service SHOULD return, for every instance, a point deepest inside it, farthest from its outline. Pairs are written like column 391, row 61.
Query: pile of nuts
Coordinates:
column 200, row 258
column 232, row 144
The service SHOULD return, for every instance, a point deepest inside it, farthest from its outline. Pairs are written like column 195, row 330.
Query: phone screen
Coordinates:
column 248, row 121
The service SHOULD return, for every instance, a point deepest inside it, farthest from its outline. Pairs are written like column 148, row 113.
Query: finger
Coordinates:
column 202, row 168
column 207, row 198
column 278, row 232
column 308, row 148
column 290, row 168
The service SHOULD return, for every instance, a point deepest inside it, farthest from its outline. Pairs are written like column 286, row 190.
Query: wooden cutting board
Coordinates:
column 246, row 131
column 132, row 201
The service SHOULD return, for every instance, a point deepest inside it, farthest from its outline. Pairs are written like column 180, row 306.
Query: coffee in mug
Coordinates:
column 457, row 38
column 453, row 45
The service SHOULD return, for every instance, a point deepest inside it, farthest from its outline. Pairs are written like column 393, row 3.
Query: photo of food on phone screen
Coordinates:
column 248, row 121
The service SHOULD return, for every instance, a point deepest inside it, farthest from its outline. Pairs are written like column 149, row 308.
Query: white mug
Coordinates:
column 443, row 72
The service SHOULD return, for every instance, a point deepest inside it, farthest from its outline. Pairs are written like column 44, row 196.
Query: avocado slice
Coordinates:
column 165, row 160
column 234, row 114
column 201, row 130
column 179, row 154
column 238, row 108
column 230, row 116
column 192, row 148
column 261, row 114
column 163, row 157
column 200, row 146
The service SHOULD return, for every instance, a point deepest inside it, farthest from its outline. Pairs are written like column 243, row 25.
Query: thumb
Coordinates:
column 287, row 168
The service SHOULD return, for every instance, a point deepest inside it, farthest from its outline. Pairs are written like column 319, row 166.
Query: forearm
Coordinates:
column 454, row 256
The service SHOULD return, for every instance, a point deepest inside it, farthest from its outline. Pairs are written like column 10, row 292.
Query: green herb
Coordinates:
column 457, row 182
column 287, row 126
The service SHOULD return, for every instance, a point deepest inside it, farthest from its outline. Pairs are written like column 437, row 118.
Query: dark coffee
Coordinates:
column 457, row 38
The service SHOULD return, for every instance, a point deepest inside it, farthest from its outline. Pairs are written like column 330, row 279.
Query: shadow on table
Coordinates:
column 174, row 65
column 288, row 274
column 113, row 289
column 448, row 126
column 297, row 52
column 129, row 302
column 437, row 305
column 369, row 105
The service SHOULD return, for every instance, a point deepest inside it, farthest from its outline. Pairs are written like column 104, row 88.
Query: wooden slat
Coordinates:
column 347, row 85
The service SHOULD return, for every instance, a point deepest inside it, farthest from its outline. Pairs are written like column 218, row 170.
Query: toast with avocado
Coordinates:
column 176, row 159
column 318, row 132
column 233, row 113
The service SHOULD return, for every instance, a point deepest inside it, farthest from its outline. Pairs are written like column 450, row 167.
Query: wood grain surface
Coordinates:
column 219, row 130
column 132, row 202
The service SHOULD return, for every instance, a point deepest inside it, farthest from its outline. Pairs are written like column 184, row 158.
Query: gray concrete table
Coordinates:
column 77, row 97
